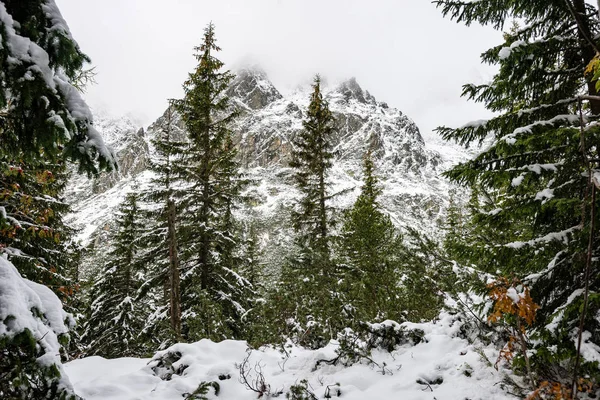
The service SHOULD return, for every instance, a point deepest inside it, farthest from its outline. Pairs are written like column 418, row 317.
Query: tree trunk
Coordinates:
column 322, row 209
column 205, row 271
column 206, row 202
column 588, row 52
column 203, row 222
column 322, row 189
column 175, row 298
column 523, row 343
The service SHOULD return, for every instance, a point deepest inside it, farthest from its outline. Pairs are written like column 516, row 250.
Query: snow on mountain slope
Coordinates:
column 443, row 366
column 414, row 193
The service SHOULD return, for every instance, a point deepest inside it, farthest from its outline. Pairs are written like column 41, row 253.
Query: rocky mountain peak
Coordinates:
column 351, row 90
column 253, row 89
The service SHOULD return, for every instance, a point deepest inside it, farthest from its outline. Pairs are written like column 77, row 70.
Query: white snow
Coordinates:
column 548, row 270
column 544, row 195
column 505, row 52
column 562, row 236
column 596, row 178
column 512, row 294
column 560, row 312
column 589, row 350
column 22, row 301
column 570, row 119
column 518, row 180
column 444, row 357
column 563, row 118
column 59, row 25
column 18, row 296
column 480, row 123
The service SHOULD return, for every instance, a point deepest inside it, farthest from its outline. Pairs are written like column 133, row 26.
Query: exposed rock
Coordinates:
column 293, row 110
column 350, row 90
column 133, row 159
column 252, row 88
column 413, row 191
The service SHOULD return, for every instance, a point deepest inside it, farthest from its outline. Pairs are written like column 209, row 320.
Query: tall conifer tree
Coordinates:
column 43, row 122
column 312, row 159
column 307, row 297
column 116, row 318
column 162, row 252
column 531, row 218
column 369, row 248
column 214, row 295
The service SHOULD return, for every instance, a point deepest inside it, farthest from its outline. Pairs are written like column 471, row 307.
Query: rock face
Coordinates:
column 413, row 192
column 129, row 141
column 269, row 123
column 252, row 89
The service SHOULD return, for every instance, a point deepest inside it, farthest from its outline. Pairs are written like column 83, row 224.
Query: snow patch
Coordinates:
column 450, row 366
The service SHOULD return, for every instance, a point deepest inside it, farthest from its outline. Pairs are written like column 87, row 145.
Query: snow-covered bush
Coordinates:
column 33, row 330
column 166, row 364
column 300, row 391
column 355, row 346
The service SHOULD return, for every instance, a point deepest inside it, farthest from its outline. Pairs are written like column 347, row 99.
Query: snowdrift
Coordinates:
column 443, row 366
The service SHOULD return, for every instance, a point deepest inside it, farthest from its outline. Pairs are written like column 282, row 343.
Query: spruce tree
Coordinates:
column 40, row 245
column 43, row 123
column 532, row 217
column 161, row 253
column 43, row 113
column 457, row 228
column 307, row 298
column 369, row 248
column 252, row 267
column 33, row 331
column 116, row 318
column 214, row 295
column 312, row 159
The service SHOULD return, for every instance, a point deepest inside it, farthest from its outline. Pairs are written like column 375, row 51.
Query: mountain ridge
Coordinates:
column 414, row 193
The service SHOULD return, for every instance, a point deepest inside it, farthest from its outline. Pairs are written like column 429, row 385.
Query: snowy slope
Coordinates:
column 414, row 193
column 444, row 367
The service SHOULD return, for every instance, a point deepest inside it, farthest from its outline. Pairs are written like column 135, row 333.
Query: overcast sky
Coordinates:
column 403, row 52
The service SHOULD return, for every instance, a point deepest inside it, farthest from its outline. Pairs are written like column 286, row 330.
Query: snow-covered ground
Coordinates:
column 444, row 367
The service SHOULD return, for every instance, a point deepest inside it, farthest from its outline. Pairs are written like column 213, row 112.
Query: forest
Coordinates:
column 195, row 295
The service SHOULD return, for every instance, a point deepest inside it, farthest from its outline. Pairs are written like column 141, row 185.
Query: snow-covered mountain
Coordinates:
column 414, row 192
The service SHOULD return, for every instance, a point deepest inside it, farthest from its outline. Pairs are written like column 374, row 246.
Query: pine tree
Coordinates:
column 42, row 112
column 533, row 214
column 214, row 295
column 116, row 318
column 41, row 248
column 369, row 247
column 252, row 255
column 307, row 297
column 43, row 122
column 456, row 227
column 311, row 160
column 161, row 252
